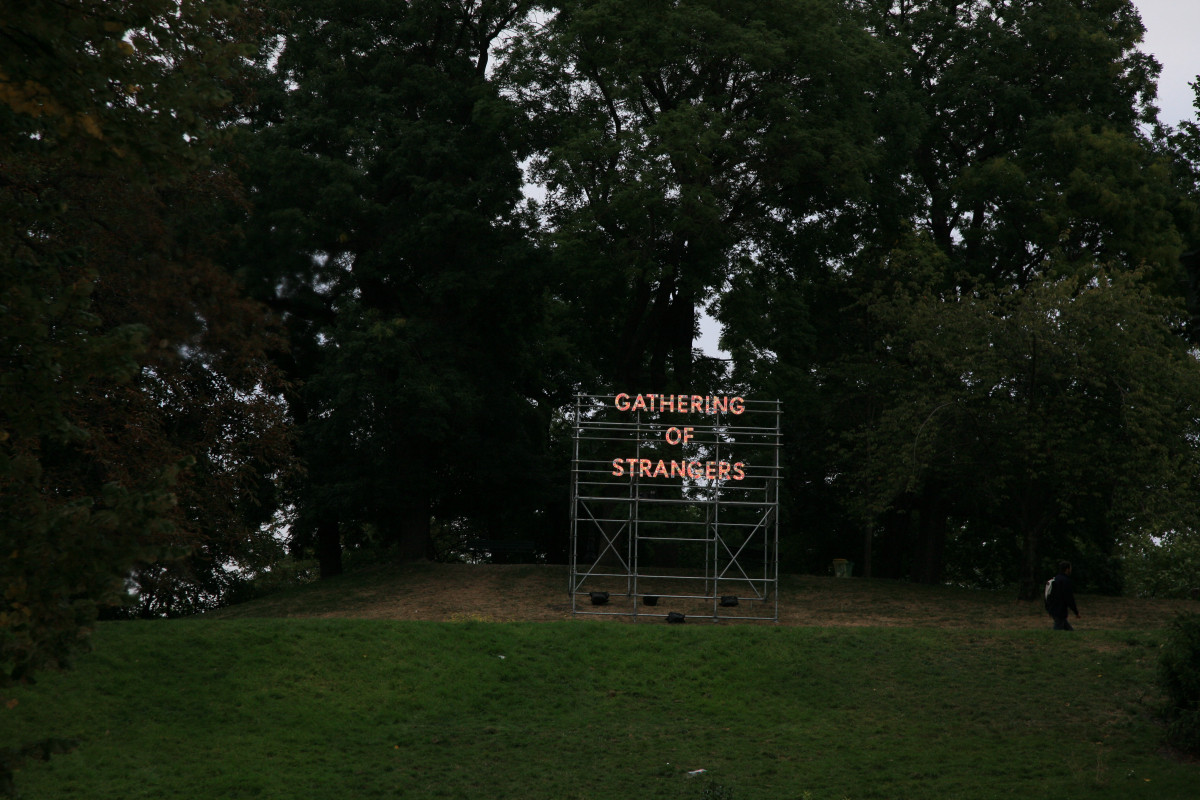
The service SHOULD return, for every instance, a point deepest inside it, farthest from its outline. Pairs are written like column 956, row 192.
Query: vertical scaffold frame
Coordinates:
column 705, row 546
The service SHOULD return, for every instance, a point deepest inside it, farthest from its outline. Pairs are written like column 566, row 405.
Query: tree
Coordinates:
column 674, row 139
column 1060, row 414
column 1017, row 163
column 146, row 216
column 206, row 389
column 104, row 110
column 387, row 232
column 1029, row 145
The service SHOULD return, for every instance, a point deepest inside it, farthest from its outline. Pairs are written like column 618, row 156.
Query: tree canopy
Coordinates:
column 136, row 421
column 674, row 140
column 1023, row 184
column 387, row 232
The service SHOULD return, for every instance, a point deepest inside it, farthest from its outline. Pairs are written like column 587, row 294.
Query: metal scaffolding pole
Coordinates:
column 695, row 496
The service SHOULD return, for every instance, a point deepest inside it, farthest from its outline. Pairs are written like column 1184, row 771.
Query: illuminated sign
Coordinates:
column 679, row 404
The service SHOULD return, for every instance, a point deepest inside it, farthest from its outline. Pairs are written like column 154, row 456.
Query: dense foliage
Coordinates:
column 1179, row 676
column 138, row 432
column 386, row 231
column 971, row 414
column 675, row 141
column 949, row 236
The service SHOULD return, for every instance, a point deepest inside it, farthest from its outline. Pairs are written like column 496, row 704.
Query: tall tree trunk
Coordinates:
column 1029, row 563
column 893, row 557
column 682, row 329
column 658, row 328
column 1034, row 519
column 415, row 541
column 868, row 541
column 630, row 371
column 329, row 548
column 931, row 538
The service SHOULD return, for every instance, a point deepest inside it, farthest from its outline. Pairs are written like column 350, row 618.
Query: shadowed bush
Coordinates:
column 1179, row 675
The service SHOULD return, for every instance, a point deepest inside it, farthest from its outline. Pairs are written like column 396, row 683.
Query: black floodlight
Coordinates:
column 598, row 598
column 650, row 600
column 675, row 618
column 728, row 601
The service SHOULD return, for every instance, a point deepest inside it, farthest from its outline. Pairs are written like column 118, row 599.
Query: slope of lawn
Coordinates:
column 529, row 592
column 344, row 708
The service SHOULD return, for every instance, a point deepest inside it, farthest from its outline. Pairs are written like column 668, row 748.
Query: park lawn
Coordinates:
column 310, row 708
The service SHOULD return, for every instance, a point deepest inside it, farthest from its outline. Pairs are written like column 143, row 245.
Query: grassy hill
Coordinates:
column 970, row 699
column 457, row 592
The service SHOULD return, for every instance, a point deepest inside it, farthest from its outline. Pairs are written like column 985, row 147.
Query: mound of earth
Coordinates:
column 494, row 592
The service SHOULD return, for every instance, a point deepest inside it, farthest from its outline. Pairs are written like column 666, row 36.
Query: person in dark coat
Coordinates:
column 1061, row 598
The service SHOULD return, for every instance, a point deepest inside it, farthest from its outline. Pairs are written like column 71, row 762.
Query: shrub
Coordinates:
column 1165, row 565
column 1179, row 676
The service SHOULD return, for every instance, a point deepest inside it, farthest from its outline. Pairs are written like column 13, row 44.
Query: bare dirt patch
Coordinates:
column 502, row 593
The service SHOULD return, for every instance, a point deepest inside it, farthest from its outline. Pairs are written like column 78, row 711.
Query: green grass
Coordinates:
column 374, row 709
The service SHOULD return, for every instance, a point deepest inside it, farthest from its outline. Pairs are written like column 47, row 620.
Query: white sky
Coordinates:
column 1172, row 27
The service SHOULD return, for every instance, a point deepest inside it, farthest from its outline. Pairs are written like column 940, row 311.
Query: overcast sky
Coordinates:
column 1171, row 30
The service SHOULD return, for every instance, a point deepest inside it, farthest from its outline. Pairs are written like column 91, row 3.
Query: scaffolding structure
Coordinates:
column 661, row 522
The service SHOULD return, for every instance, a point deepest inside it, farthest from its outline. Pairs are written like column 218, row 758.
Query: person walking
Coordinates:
column 1060, row 597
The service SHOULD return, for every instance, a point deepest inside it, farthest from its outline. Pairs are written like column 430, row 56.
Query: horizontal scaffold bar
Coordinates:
column 709, row 578
column 613, row 396
column 676, row 538
column 676, row 502
column 659, row 425
column 705, row 616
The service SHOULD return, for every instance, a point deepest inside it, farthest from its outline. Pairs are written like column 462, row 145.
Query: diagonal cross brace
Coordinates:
column 609, row 544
